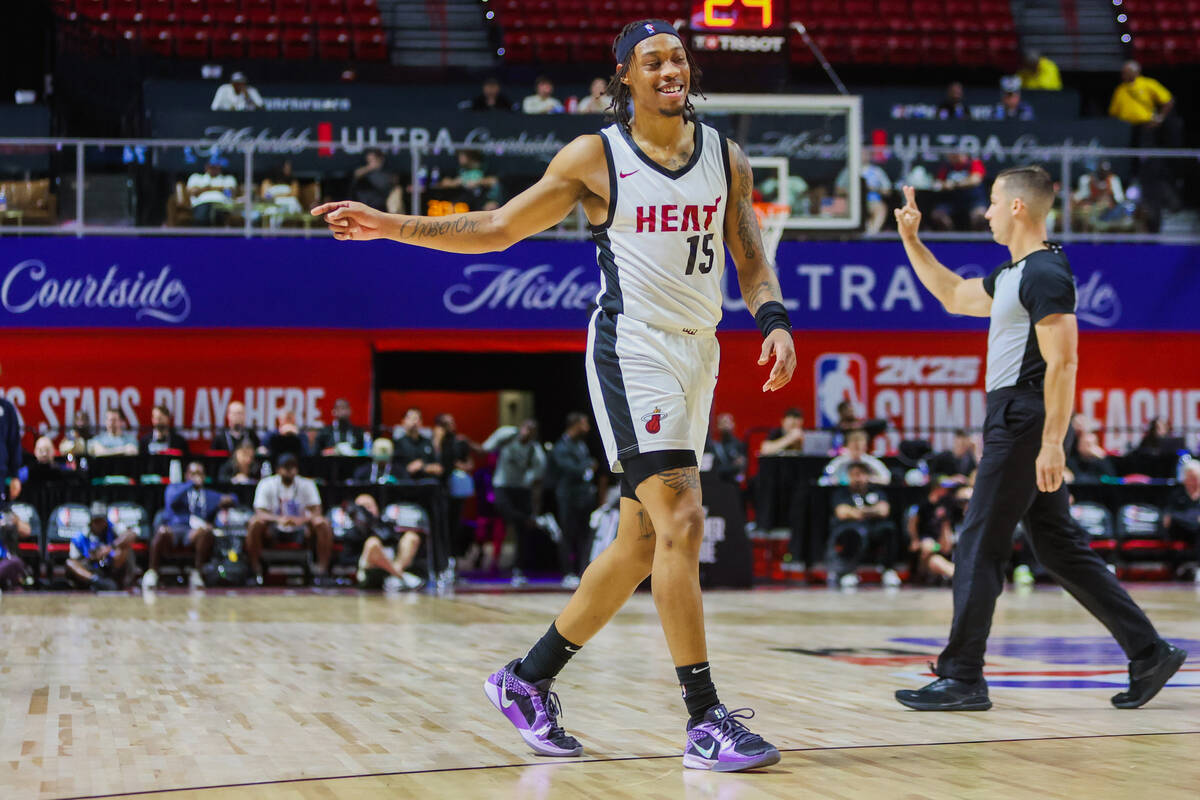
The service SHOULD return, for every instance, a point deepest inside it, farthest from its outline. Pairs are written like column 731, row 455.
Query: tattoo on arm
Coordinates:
column 766, row 288
column 681, row 480
column 645, row 526
column 424, row 228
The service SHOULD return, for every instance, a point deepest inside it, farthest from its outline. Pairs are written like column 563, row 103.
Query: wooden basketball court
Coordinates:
column 341, row 695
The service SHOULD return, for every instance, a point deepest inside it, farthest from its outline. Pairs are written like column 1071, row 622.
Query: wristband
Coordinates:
column 772, row 316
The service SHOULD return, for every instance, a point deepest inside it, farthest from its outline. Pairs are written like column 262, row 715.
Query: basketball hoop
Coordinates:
column 771, row 219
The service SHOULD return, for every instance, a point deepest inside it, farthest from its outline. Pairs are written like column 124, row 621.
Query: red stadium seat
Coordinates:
column 518, row 48
column 370, row 45
column 192, row 42
column 297, row 44
column 859, row 8
column 928, row 8
column 159, row 39
column 228, row 42
column 193, row 12
column 937, row 50
column 332, row 19
column 956, row 9
column 868, row 49
column 594, row 48
column 894, row 8
column 902, row 49
column 126, row 12
column 228, row 16
column 834, row 47
column 333, row 44
column 295, row 17
column 262, row 43
column 970, row 51
column 91, row 9
column 328, row 5
column 551, row 48
column 158, row 11
column 362, row 5
column 365, row 18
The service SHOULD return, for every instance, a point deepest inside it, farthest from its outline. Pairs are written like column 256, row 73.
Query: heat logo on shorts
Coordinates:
column 653, row 420
column 839, row 377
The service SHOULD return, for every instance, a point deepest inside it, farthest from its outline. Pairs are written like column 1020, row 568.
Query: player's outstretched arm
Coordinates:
column 571, row 176
column 958, row 294
column 756, row 276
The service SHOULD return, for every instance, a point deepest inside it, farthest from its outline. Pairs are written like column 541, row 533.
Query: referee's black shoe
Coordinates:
column 1148, row 675
column 947, row 694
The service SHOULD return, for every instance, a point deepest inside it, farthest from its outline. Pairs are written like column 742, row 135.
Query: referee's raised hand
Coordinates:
column 908, row 216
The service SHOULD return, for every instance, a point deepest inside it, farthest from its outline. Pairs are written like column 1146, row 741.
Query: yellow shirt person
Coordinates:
column 1138, row 99
column 1040, row 73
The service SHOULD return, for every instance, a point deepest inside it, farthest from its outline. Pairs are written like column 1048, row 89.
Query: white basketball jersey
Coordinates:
column 662, row 250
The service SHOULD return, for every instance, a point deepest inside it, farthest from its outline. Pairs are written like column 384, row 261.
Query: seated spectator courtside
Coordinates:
column 287, row 510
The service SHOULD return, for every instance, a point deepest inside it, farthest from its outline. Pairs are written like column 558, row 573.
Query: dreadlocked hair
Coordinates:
column 622, row 97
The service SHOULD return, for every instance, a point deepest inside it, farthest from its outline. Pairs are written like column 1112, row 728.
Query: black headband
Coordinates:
column 630, row 40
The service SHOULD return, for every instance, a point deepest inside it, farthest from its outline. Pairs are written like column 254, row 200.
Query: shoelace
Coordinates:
column 735, row 730
column 553, row 712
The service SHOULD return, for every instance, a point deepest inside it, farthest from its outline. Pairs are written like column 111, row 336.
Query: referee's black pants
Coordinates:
column 1005, row 492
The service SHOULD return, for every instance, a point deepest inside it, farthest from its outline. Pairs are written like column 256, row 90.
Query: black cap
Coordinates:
column 287, row 460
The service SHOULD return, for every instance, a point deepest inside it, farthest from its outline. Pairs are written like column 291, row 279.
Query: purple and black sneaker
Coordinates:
column 533, row 710
column 722, row 743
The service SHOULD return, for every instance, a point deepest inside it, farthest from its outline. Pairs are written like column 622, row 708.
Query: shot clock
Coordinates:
column 738, row 16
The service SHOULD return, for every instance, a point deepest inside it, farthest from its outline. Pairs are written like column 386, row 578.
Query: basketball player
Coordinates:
column 665, row 195
column 1031, row 363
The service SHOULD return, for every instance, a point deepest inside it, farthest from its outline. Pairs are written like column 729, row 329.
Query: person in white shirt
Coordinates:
column 543, row 101
column 837, row 471
column 287, row 509
column 237, row 95
column 211, row 193
column 597, row 101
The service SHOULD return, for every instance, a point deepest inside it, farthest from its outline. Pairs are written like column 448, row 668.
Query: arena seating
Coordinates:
column 333, row 30
column 1164, row 32
column 903, row 32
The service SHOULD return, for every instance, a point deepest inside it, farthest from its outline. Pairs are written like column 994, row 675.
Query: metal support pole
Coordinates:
column 416, row 179
column 248, row 187
column 79, row 190
column 1066, row 193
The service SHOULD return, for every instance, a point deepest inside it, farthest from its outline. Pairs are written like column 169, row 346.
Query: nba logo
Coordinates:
column 650, row 28
column 839, row 376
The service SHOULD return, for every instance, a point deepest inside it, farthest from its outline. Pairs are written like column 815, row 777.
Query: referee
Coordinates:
column 1031, row 365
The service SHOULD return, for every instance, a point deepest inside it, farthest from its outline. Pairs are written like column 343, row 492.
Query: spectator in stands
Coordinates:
column 877, row 190
column 1181, row 518
column 162, row 435
column 12, row 529
column 1155, row 441
column 1089, row 463
column 1147, row 106
column 848, row 418
column 372, row 183
column 789, row 436
column 381, row 469
column 520, row 468
column 837, row 471
column 481, row 191
column 931, row 533
column 241, row 468
column 573, row 468
column 75, row 441
column 597, row 101
column 962, row 197
column 237, row 95
column 1039, row 73
column 101, row 558
column 953, row 107
column 371, row 546
column 44, row 471
column 861, row 529
column 959, row 461
column 211, row 193
column 729, row 452
column 1099, row 203
column 491, row 98
column 341, row 434
column 542, row 100
column 287, row 508
column 235, row 434
column 280, row 191
column 414, row 450
column 10, row 450
column 187, row 525
column 453, row 452
column 287, row 438
column 1011, row 106
column 116, row 439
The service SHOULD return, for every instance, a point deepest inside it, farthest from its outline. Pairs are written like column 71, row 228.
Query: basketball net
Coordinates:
column 771, row 219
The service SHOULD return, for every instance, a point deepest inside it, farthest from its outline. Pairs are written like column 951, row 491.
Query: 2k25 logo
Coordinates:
column 839, row 377
column 653, row 420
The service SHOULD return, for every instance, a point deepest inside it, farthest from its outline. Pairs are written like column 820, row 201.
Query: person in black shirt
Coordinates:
column 573, row 467
column 286, row 439
column 1032, row 358
column 10, row 450
column 1181, row 519
column 959, row 461
column 414, row 451
column 1089, row 463
column 952, row 107
column 340, row 431
column 491, row 98
column 789, row 436
column 382, row 468
column 453, row 452
column 236, row 434
column 162, row 435
column 860, row 529
column 931, row 533
column 729, row 452
column 372, row 183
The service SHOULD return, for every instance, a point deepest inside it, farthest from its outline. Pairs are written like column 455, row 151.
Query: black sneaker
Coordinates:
column 1148, row 675
column 947, row 694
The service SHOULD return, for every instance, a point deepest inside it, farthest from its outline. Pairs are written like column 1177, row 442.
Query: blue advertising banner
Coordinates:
column 536, row 285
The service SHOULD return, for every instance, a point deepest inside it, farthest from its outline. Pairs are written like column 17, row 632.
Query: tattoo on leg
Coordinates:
column 682, row 479
column 645, row 526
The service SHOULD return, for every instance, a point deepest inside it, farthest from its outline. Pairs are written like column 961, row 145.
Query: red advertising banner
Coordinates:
column 52, row 376
column 927, row 384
